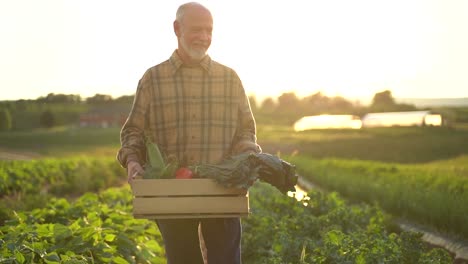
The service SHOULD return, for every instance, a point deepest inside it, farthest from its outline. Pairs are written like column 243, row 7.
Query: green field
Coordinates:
column 396, row 144
column 100, row 228
column 399, row 144
column 419, row 173
column 62, row 141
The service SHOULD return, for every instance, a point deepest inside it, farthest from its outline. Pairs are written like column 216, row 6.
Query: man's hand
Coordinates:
column 133, row 170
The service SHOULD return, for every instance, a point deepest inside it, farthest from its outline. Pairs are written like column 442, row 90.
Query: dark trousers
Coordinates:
column 222, row 238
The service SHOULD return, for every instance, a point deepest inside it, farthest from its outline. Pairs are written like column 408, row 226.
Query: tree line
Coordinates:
column 56, row 110
column 289, row 107
column 65, row 109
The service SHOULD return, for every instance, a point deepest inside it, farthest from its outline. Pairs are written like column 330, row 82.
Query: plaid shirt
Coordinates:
column 199, row 114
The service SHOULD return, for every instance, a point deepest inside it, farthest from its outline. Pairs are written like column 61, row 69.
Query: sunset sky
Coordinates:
column 415, row 48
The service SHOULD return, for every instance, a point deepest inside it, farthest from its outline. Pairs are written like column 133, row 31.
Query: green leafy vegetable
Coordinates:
column 241, row 171
column 155, row 157
column 157, row 167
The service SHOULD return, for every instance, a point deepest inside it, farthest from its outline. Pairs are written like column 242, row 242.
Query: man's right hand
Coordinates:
column 133, row 170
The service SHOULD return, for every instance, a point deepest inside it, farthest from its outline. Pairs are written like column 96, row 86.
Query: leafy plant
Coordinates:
column 93, row 229
column 5, row 120
column 434, row 194
column 30, row 184
column 323, row 228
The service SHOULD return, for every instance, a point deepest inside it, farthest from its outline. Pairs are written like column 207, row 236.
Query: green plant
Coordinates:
column 47, row 119
column 93, row 229
column 5, row 120
column 434, row 194
column 323, row 228
column 29, row 184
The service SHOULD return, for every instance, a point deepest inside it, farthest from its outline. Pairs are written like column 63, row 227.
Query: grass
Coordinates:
column 435, row 194
column 420, row 173
column 63, row 141
column 396, row 144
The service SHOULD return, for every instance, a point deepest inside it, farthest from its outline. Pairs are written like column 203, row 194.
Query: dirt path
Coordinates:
column 457, row 247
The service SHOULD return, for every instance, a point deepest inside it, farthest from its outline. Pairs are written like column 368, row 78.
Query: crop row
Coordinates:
column 93, row 229
column 28, row 184
column 322, row 228
column 57, row 176
column 432, row 194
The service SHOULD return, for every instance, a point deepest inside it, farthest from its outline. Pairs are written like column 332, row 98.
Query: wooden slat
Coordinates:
column 190, row 205
column 181, row 187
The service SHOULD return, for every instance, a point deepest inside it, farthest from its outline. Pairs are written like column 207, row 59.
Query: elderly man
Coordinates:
column 195, row 109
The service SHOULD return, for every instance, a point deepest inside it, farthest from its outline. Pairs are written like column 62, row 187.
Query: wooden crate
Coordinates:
column 187, row 198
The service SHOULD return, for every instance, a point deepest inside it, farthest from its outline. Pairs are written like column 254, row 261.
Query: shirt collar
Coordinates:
column 177, row 62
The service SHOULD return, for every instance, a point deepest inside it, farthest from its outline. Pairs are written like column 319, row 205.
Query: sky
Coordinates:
column 354, row 49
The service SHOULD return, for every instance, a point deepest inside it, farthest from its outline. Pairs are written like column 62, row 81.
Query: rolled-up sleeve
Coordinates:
column 132, row 134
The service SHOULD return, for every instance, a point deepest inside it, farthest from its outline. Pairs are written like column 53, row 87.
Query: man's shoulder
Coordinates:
column 218, row 67
column 162, row 68
column 162, row 64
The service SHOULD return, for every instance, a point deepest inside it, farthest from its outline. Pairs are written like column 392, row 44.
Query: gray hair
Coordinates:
column 181, row 10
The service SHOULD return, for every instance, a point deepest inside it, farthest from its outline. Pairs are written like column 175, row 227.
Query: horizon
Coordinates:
column 417, row 101
column 416, row 49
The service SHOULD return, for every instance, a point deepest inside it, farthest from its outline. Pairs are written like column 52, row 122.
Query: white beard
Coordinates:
column 195, row 53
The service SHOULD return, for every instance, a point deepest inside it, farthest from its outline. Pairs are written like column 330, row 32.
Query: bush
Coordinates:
column 47, row 119
column 5, row 120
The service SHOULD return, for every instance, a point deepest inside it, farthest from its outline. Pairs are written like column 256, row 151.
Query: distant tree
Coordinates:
column 125, row 99
column 60, row 98
column 5, row 120
column 289, row 108
column 288, row 102
column 340, row 105
column 21, row 105
column 99, row 99
column 383, row 101
column 47, row 119
column 268, row 105
column 406, row 107
column 316, row 104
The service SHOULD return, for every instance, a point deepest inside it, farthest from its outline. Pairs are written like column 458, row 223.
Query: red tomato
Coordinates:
column 183, row 173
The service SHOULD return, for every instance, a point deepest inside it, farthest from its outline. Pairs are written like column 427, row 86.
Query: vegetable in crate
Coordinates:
column 276, row 172
column 236, row 171
column 183, row 173
column 241, row 171
column 156, row 167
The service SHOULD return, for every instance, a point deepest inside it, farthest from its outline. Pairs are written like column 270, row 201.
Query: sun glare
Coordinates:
column 327, row 122
column 346, row 48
